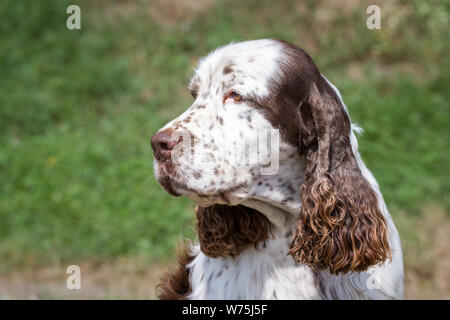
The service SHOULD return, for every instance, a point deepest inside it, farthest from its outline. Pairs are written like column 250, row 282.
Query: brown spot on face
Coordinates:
column 194, row 86
column 197, row 175
column 291, row 189
column 228, row 69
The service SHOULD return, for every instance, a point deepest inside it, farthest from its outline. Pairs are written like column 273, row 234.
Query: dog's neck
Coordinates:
column 278, row 196
column 283, row 220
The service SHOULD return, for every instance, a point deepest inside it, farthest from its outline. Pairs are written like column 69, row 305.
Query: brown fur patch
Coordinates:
column 175, row 285
column 340, row 227
column 227, row 230
column 228, row 69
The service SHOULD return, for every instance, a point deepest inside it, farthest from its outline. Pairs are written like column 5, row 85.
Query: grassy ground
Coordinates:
column 77, row 110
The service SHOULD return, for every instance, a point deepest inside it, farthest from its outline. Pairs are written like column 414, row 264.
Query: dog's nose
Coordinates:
column 163, row 143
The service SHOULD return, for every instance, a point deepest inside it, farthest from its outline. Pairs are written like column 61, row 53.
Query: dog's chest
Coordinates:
column 263, row 273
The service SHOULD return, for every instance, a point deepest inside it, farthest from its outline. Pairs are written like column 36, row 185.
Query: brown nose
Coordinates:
column 162, row 144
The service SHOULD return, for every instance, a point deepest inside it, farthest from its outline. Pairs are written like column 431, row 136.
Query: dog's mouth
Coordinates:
column 169, row 185
column 171, row 180
column 167, row 176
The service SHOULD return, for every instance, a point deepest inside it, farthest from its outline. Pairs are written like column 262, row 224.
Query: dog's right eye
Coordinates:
column 236, row 96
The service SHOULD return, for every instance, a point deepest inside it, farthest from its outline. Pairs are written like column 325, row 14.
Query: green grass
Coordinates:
column 77, row 110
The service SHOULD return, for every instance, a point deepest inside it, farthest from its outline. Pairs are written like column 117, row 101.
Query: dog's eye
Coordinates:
column 194, row 94
column 236, row 96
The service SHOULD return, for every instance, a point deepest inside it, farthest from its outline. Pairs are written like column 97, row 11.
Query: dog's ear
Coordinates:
column 226, row 230
column 340, row 227
column 175, row 285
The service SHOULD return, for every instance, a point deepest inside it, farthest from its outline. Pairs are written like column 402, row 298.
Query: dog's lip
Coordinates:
column 166, row 174
column 169, row 185
column 167, row 177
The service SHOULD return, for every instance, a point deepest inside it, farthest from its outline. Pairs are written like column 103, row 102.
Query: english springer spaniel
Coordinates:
column 303, row 221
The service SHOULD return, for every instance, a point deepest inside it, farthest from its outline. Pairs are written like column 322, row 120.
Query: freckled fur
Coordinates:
column 277, row 78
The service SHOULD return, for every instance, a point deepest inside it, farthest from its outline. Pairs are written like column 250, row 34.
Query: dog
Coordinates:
column 307, row 223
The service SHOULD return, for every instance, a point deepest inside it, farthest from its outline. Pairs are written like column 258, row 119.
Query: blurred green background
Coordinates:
column 78, row 108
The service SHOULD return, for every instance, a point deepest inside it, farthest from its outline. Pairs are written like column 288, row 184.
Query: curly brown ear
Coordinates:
column 226, row 230
column 340, row 227
column 175, row 285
